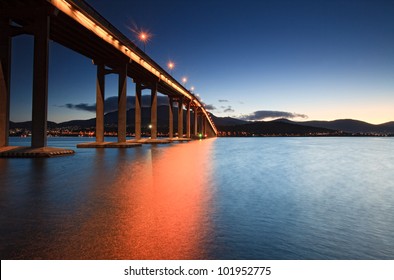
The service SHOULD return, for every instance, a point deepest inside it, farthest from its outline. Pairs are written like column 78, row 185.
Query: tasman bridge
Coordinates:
column 77, row 26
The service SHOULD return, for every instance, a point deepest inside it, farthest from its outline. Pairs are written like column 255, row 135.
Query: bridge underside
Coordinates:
column 80, row 28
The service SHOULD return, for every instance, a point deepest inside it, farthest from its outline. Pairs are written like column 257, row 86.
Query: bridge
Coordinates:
column 77, row 26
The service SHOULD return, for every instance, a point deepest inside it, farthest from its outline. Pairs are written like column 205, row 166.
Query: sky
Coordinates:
column 253, row 60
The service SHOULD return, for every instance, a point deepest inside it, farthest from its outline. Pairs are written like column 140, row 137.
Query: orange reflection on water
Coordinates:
column 168, row 216
column 144, row 203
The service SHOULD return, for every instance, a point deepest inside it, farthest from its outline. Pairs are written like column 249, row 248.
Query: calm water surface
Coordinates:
column 225, row 198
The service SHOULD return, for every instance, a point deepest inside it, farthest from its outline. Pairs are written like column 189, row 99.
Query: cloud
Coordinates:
column 229, row 109
column 223, row 100
column 81, row 106
column 111, row 103
column 260, row 115
column 210, row 107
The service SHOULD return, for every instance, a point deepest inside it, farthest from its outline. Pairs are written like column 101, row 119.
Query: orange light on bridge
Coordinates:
column 170, row 65
column 144, row 37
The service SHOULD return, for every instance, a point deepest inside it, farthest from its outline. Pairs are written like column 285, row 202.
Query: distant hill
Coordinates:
column 227, row 121
column 27, row 125
column 387, row 127
column 348, row 125
column 260, row 128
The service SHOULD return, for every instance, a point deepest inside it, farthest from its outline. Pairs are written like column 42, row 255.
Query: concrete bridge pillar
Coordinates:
column 138, row 105
column 122, row 104
column 188, row 119
column 199, row 123
column 180, row 117
column 171, row 118
column 40, row 81
column 206, row 125
column 195, row 121
column 100, row 96
column 153, row 112
column 5, row 72
column 202, row 129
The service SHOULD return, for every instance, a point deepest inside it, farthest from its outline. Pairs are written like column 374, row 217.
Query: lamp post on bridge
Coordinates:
column 184, row 81
column 144, row 37
column 171, row 66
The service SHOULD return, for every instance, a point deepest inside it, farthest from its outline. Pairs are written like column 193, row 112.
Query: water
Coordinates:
column 225, row 198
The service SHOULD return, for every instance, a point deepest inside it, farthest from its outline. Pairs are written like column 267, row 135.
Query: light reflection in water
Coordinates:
column 156, row 207
column 170, row 212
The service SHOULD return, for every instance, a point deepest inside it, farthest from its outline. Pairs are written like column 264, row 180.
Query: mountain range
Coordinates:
column 285, row 126
column 348, row 125
column 230, row 125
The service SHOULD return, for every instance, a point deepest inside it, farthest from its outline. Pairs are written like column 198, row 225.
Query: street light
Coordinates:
column 144, row 37
column 184, row 80
column 170, row 66
column 192, row 89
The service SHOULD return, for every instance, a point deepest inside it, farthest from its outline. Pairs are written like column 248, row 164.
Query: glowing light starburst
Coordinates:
column 171, row 65
column 142, row 35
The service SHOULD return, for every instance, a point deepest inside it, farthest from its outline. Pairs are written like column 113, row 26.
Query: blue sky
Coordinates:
column 320, row 60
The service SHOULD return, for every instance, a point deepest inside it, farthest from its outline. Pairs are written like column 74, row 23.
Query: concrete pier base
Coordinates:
column 29, row 152
column 151, row 141
column 177, row 139
column 108, row 145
